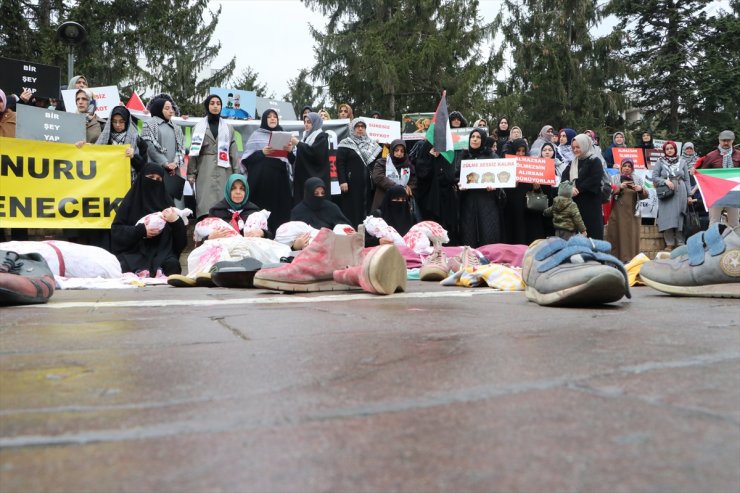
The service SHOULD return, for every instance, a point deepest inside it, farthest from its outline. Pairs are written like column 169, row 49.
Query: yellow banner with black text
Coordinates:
column 51, row 185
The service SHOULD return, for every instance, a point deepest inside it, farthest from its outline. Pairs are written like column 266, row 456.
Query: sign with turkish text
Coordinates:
column 633, row 153
column 484, row 173
column 106, row 98
column 17, row 75
column 530, row 169
column 383, row 131
column 52, row 185
column 49, row 125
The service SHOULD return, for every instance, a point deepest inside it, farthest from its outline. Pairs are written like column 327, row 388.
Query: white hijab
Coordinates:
column 587, row 150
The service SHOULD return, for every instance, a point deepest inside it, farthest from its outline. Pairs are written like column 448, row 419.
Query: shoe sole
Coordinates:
column 589, row 293
column 9, row 298
column 237, row 278
column 181, row 282
column 727, row 290
column 204, row 281
column 432, row 275
column 312, row 287
column 385, row 268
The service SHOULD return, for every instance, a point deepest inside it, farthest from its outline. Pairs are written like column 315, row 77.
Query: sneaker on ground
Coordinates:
column 708, row 266
column 435, row 266
column 235, row 273
column 25, row 279
column 577, row 272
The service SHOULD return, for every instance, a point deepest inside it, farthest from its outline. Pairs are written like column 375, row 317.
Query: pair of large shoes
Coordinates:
column 708, row 265
column 577, row 272
column 436, row 266
column 335, row 262
column 25, row 279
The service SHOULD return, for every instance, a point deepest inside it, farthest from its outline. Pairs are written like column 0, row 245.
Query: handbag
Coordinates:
column 536, row 201
column 663, row 192
column 691, row 224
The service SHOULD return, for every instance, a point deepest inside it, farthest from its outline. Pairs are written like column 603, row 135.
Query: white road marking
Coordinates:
column 272, row 300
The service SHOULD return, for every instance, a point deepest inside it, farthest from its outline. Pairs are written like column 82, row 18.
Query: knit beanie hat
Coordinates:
column 565, row 189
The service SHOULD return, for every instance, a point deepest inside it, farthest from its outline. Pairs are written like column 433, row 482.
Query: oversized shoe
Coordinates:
column 236, row 273
column 313, row 268
column 25, row 279
column 578, row 272
column 382, row 271
column 708, row 266
column 436, row 266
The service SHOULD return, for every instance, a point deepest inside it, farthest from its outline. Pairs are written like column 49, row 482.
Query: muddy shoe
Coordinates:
column 382, row 271
column 436, row 266
column 235, row 273
column 25, row 279
column 180, row 281
column 577, row 272
column 709, row 266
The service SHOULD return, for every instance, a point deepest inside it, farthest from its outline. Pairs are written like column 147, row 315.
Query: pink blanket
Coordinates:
column 498, row 253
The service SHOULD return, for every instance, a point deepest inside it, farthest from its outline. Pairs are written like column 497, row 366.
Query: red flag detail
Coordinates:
column 135, row 103
column 713, row 188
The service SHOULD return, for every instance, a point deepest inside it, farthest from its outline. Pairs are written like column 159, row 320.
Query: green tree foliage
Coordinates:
column 28, row 30
column 714, row 103
column 248, row 81
column 396, row 56
column 663, row 46
column 302, row 93
column 177, row 51
column 556, row 72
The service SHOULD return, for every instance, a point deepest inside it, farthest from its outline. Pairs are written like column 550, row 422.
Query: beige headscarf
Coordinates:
column 587, row 150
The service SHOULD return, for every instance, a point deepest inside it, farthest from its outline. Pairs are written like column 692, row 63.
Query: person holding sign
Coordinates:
column 395, row 169
column 165, row 144
column 7, row 117
column 213, row 157
column 268, row 174
column 85, row 102
column 141, row 248
column 617, row 141
column 674, row 174
column 585, row 172
column 121, row 130
column 355, row 157
column 480, row 210
column 312, row 155
column 623, row 231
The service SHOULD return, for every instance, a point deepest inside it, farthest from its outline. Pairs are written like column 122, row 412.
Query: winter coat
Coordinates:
column 565, row 215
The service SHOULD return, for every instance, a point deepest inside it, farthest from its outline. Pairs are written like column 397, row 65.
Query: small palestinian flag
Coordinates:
column 720, row 187
column 135, row 103
column 439, row 133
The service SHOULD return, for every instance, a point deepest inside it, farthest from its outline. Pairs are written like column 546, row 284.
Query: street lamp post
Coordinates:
column 71, row 33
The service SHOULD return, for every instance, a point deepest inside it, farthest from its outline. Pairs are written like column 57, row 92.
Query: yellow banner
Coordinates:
column 50, row 185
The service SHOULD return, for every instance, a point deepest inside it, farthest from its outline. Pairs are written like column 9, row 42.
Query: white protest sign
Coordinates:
column 106, row 98
column 484, row 173
column 383, row 131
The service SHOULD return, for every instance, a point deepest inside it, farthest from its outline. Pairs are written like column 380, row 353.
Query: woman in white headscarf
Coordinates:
column 355, row 157
column 312, row 155
column 585, row 172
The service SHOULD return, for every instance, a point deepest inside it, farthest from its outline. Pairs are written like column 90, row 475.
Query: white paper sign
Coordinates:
column 106, row 98
column 383, row 131
column 484, row 173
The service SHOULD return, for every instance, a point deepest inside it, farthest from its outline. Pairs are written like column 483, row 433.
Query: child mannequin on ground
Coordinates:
column 564, row 212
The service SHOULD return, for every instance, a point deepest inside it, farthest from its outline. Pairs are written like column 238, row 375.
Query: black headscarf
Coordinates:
column 158, row 101
column 503, row 134
column 212, row 119
column 483, row 150
column 264, row 126
column 459, row 116
column 145, row 197
column 317, row 212
column 646, row 145
column 397, row 214
column 513, row 145
column 404, row 161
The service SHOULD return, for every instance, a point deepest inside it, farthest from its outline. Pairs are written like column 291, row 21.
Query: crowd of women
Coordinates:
column 400, row 182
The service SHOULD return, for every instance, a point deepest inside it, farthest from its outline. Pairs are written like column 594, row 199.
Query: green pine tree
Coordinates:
column 302, row 93
column 248, row 81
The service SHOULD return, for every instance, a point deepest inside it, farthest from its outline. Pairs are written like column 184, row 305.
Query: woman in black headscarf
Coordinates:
column 315, row 210
column 501, row 134
column 120, row 130
column 166, row 143
column 142, row 248
column 312, row 155
column 395, row 210
column 394, row 170
column 270, row 171
column 213, row 156
column 480, row 209
column 522, row 226
column 355, row 157
column 646, row 143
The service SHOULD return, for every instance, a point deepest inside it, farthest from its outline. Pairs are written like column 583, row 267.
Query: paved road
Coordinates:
column 439, row 389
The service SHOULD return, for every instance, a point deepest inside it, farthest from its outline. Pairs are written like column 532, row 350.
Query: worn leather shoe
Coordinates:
column 25, row 279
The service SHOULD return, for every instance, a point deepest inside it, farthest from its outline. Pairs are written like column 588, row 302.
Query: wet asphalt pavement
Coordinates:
column 439, row 389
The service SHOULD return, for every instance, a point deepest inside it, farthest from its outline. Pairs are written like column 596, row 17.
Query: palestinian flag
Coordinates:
column 720, row 187
column 439, row 133
column 135, row 103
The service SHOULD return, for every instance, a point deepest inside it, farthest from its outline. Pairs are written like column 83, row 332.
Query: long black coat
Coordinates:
column 588, row 199
column 270, row 187
column 351, row 170
column 311, row 161
column 480, row 211
column 436, row 190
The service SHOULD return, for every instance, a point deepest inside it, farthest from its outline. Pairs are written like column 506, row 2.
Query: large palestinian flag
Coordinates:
column 720, row 187
column 439, row 133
